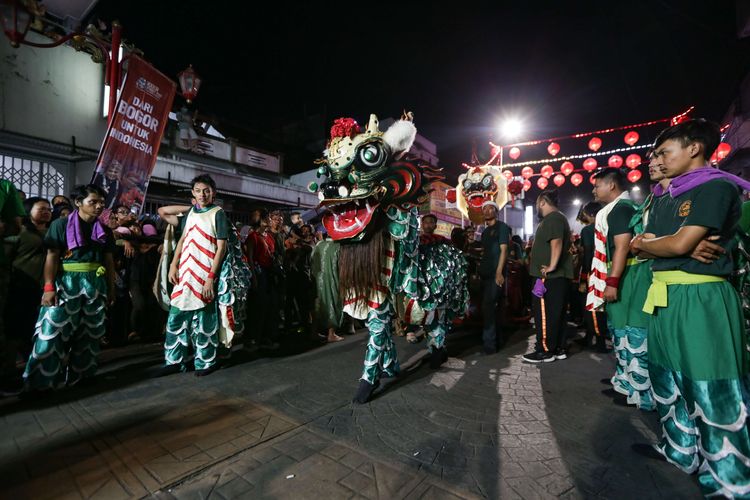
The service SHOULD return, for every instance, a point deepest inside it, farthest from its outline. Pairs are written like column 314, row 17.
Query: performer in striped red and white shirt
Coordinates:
column 198, row 320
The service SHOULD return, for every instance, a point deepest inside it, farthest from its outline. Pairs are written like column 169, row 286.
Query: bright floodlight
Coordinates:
column 576, row 202
column 636, row 188
column 511, row 128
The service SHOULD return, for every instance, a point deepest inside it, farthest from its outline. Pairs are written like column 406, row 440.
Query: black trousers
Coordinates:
column 492, row 297
column 549, row 315
column 596, row 325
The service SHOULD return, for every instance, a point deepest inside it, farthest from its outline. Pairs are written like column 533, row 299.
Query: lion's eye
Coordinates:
column 371, row 155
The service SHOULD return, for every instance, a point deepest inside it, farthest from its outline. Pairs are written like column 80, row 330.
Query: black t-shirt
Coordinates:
column 492, row 237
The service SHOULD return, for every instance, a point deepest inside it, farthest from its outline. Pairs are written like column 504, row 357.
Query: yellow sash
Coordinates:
column 84, row 267
column 630, row 262
column 657, row 292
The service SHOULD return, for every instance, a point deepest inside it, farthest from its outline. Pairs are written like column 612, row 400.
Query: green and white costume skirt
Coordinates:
column 629, row 326
column 698, row 367
column 71, row 329
column 193, row 335
column 380, row 356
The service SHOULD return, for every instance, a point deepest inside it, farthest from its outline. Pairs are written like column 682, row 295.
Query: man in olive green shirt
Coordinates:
column 11, row 211
column 552, row 264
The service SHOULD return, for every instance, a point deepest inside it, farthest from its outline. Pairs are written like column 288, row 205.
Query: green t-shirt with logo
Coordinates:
column 714, row 205
column 91, row 252
column 553, row 226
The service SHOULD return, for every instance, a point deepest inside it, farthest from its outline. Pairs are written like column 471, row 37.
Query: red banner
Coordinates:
column 128, row 154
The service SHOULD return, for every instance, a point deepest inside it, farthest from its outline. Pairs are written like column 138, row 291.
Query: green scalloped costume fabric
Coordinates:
column 73, row 328
column 434, row 275
column 197, row 334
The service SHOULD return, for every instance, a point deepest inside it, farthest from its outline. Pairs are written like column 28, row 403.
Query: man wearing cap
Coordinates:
column 495, row 239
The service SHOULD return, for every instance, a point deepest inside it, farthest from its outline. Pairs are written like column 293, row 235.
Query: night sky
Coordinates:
column 564, row 67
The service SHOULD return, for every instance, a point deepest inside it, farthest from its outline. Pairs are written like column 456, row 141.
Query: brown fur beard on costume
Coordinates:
column 360, row 265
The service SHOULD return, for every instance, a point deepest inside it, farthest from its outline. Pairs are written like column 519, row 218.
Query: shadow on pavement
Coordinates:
column 595, row 435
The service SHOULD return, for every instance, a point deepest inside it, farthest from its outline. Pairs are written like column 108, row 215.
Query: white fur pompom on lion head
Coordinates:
column 400, row 136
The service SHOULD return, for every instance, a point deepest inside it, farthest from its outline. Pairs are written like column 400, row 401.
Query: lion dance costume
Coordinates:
column 371, row 194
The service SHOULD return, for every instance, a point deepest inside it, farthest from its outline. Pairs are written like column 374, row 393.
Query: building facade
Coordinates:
column 52, row 127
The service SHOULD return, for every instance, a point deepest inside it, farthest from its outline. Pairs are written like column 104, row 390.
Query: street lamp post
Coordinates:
column 16, row 17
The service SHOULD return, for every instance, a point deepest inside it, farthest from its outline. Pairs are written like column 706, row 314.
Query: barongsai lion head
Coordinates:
column 366, row 174
column 479, row 184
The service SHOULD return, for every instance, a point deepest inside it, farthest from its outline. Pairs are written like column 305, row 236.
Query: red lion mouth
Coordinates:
column 347, row 220
column 475, row 200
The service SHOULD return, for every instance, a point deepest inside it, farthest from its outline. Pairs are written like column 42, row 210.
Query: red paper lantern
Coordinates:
column 714, row 159
column 576, row 179
column 631, row 137
column 515, row 187
column 595, row 143
column 559, row 180
column 508, row 175
column 723, row 150
column 527, row 172
column 514, row 153
column 615, row 161
column 547, row 171
column 589, row 164
column 542, row 183
column 567, row 168
column 526, row 185
column 450, row 195
column 592, row 180
column 553, row 148
column 634, row 175
column 633, row 161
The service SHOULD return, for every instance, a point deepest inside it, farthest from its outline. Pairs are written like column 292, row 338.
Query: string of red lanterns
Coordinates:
column 674, row 120
column 632, row 160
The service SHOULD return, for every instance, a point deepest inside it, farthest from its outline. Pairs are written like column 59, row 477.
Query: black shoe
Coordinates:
column 539, row 357
column 648, row 451
column 606, row 381
column 168, row 370
column 621, row 400
column 603, row 349
column 489, row 351
column 438, row 357
column 11, row 387
column 611, row 393
column 364, row 391
column 269, row 346
column 207, row 371
column 561, row 354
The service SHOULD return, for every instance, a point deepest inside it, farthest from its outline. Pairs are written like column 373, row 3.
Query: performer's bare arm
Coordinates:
column 174, row 266
column 619, row 260
column 499, row 277
column 170, row 213
column 51, row 264
column 221, row 251
column 555, row 247
column 679, row 244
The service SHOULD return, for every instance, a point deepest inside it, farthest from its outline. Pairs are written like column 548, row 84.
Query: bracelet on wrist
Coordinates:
column 49, row 287
column 614, row 282
column 211, row 275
